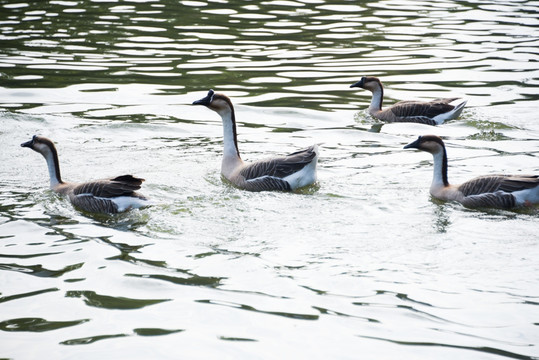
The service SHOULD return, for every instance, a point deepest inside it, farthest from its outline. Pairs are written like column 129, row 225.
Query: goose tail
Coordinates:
column 454, row 113
column 459, row 106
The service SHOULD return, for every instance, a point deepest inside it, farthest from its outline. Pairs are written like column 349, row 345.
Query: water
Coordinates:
column 365, row 264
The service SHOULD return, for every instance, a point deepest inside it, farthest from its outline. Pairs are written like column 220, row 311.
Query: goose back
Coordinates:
column 418, row 111
column 493, row 183
column 108, row 195
column 279, row 167
column 124, row 185
column 276, row 173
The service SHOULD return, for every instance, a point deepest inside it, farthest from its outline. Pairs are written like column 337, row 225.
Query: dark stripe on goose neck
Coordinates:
column 233, row 118
column 51, row 146
column 444, row 155
column 381, row 92
column 444, row 166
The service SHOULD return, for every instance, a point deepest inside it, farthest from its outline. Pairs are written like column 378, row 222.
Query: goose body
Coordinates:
column 495, row 191
column 99, row 196
column 433, row 112
column 285, row 173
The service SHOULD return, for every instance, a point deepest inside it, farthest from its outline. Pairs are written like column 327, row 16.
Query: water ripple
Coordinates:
column 483, row 349
column 37, row 324
column 91, row 298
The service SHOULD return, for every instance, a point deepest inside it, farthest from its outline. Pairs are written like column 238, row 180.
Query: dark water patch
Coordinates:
column 155, row 331
column 205, row 254
column 316, row 291
column 126, row 221
column 193, row 280
column 488, row 125
column 483, row 349
column 91, row 298
column 405, row 307
column 123, row 247
column 137, row 261
column 37, row 324
column 251, row 308
column 28, row 294
column 138, row 331
column 228, row 338
column 39, row 270
column 489, row 135
column 338, row 313
column 28, row 256
column 405, row 297
column 232, row 253
column 91, row 339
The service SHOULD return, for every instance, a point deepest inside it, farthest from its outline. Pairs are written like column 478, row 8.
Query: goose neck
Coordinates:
column 230, row 138
column 53, row 165
column 377, row 98
column 439, row 178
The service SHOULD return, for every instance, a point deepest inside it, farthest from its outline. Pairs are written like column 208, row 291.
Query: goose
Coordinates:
column 284, row 173
column 110, row 196
column 495, row 191
column 433, row 112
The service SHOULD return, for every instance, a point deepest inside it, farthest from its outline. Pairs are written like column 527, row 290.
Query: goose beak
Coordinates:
column 359, row 84
column 413, row 145
column 29, row 144
column 206, row 101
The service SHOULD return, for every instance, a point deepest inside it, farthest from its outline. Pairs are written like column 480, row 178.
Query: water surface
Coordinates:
column 363, row 264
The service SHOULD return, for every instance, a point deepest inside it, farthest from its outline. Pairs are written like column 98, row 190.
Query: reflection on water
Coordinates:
column 277, row 52
column 365, row 261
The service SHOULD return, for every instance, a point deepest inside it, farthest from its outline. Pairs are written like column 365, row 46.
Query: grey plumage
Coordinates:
column 97, row 196
column 268, row 174
column 279, row 167
column 495, row 190
column 418, row 111
column 493, row 183
column 124, row 185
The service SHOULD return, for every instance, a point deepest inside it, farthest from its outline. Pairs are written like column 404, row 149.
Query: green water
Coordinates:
column 364, row 264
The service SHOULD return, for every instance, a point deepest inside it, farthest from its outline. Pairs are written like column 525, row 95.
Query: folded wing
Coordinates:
column 493, row 183
column 422, row 111
column 279, row 167
column 124, row 185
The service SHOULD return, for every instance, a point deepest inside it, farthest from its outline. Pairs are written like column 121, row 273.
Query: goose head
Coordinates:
column 41, row 145
column 46, row 148
column 430, row 143
column 219, row 103
column 370, row 83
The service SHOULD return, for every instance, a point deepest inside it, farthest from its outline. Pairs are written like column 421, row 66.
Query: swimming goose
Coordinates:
column 433, row 112
column 497, row 191
column 278, row 173
column 100, row 196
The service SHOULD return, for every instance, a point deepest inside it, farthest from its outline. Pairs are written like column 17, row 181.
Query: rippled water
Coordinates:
column 362, row 265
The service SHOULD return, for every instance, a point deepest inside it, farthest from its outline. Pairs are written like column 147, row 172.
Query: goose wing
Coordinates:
column 494, row 183
column 495, row 190
column 105, row 196
column 124, row 185
column 421, row 110
column 496, row 199
column 279, row 167
column 267, row 183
